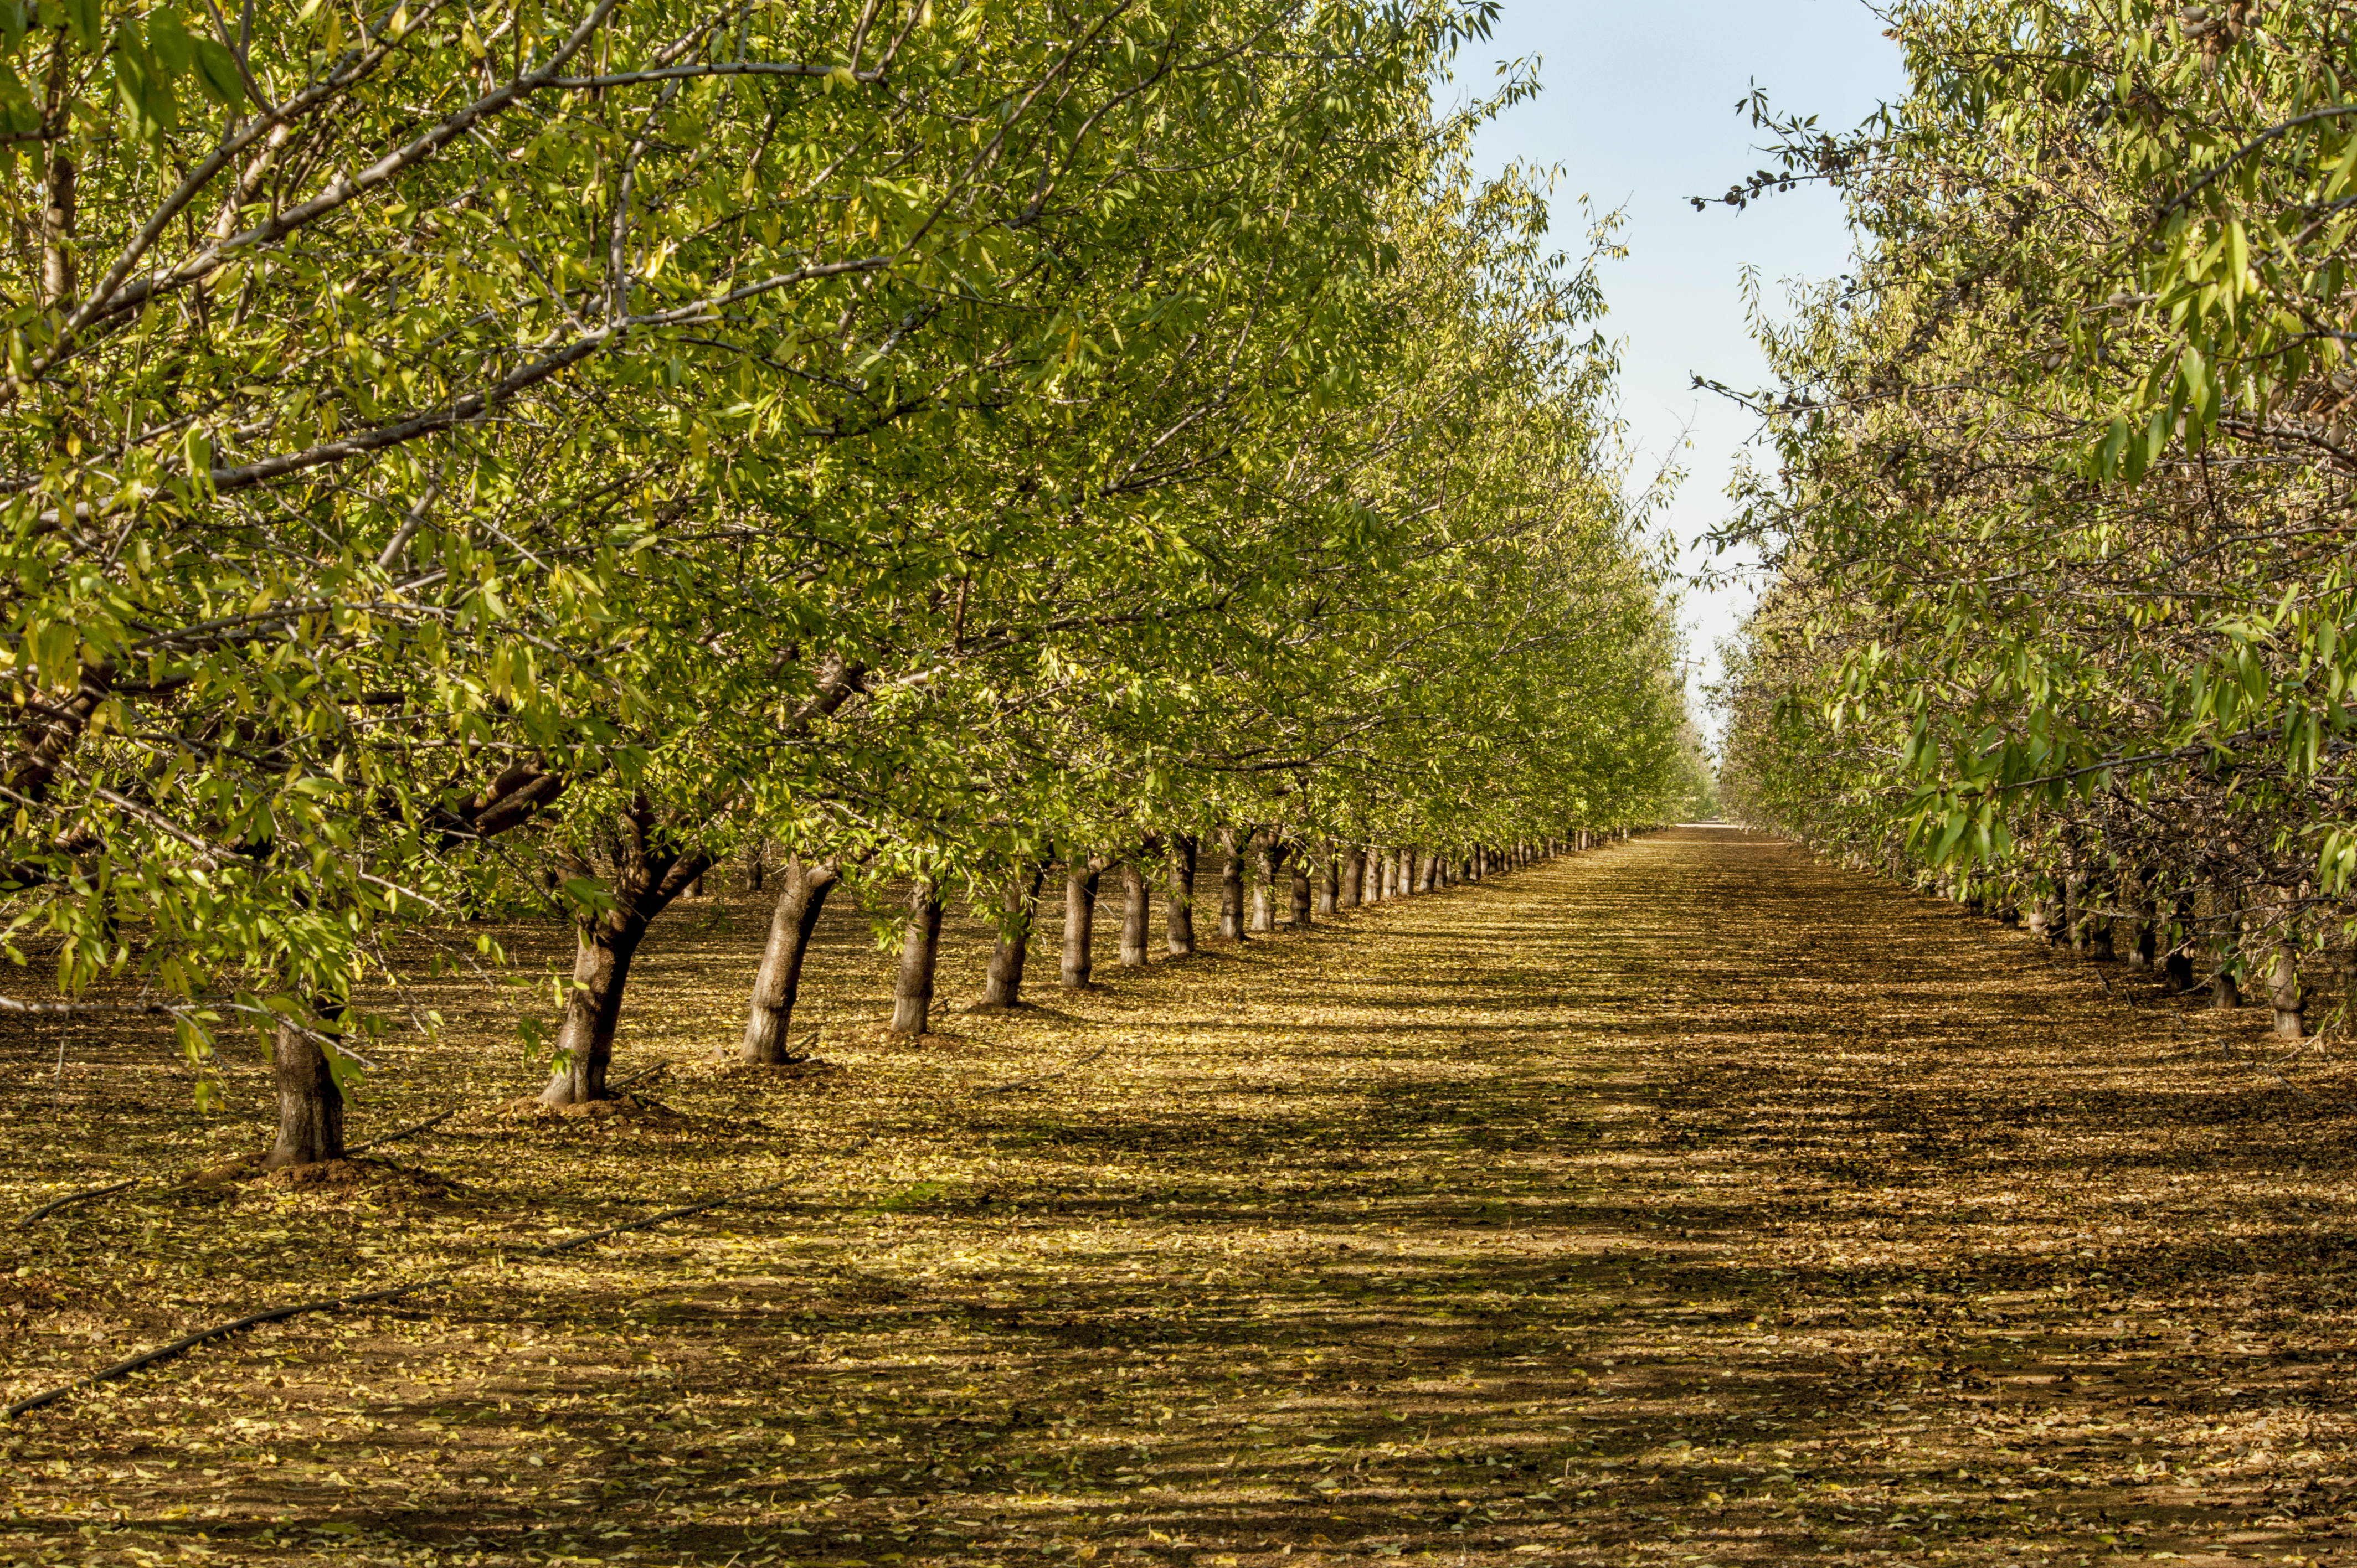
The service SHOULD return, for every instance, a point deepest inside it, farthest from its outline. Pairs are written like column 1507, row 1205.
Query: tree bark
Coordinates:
column 1232, row 886
column 1178, row 897
column 2284, row 994
column 1273, row 852
column 2099, row 945
column 1330, row 882
column 792, row 920
column 1080, row 920
column 1002, row 983
column 1132, row 915
column 603, row 949
column 1355, row 877
column 1302, row 896
column 2176, row 937
column 647, row 876
column 757, row 864
column 2226, row 989
column 920, row 946
column 311, row 1106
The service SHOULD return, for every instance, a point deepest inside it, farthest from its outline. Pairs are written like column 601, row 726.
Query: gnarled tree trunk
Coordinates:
column 920, row 949
column 792, row 919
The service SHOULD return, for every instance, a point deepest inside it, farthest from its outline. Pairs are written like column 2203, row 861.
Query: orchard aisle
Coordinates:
column 1684, row 1201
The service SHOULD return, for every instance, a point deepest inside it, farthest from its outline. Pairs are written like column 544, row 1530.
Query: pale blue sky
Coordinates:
column 1638, row 111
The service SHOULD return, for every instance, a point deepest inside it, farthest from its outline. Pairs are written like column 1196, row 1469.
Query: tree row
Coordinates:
column 2060, row 601
column 477, row 459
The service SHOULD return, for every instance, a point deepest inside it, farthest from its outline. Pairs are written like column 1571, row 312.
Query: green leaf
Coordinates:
column 217, row 73
column 169, row 45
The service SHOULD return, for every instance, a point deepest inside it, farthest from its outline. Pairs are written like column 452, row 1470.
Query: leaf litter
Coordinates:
column 1686, row 1201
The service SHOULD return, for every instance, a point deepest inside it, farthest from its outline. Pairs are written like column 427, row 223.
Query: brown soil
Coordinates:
column 1685, row 1202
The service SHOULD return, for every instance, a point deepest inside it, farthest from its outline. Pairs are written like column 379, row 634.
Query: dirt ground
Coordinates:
column 1684, row 1202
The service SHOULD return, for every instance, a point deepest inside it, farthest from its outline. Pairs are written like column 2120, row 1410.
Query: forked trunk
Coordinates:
column 1081, row 923
column 921, row 948
column 311, row 1106
column 1178, row 897
column 792, row 920
column 1132, row 915
column 1002, row 983
column 648, row 875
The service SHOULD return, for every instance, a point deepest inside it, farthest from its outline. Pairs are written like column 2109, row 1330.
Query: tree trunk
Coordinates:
column 1232, row 886
column 1002, row 983
column 2284, row 994
column 921, row 948
column 646, row 878
column 2100, row 945
column 2282, row 974
column 1407, row 872
column 1330, row 882
column 1274, row 853
column 2141, row 919
column 2177, row 968
column 311, row 1106
column 1132, row 915
column 1354, row 877
column 757, row 862
column 1429, row 879
column 1302, row 896
column 1178, row 897
column 603, row 949
column 1081, row 923
column 2041, row 918
column 791, row 921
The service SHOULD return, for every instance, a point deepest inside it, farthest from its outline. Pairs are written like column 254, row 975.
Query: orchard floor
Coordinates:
column 1686, row 1201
